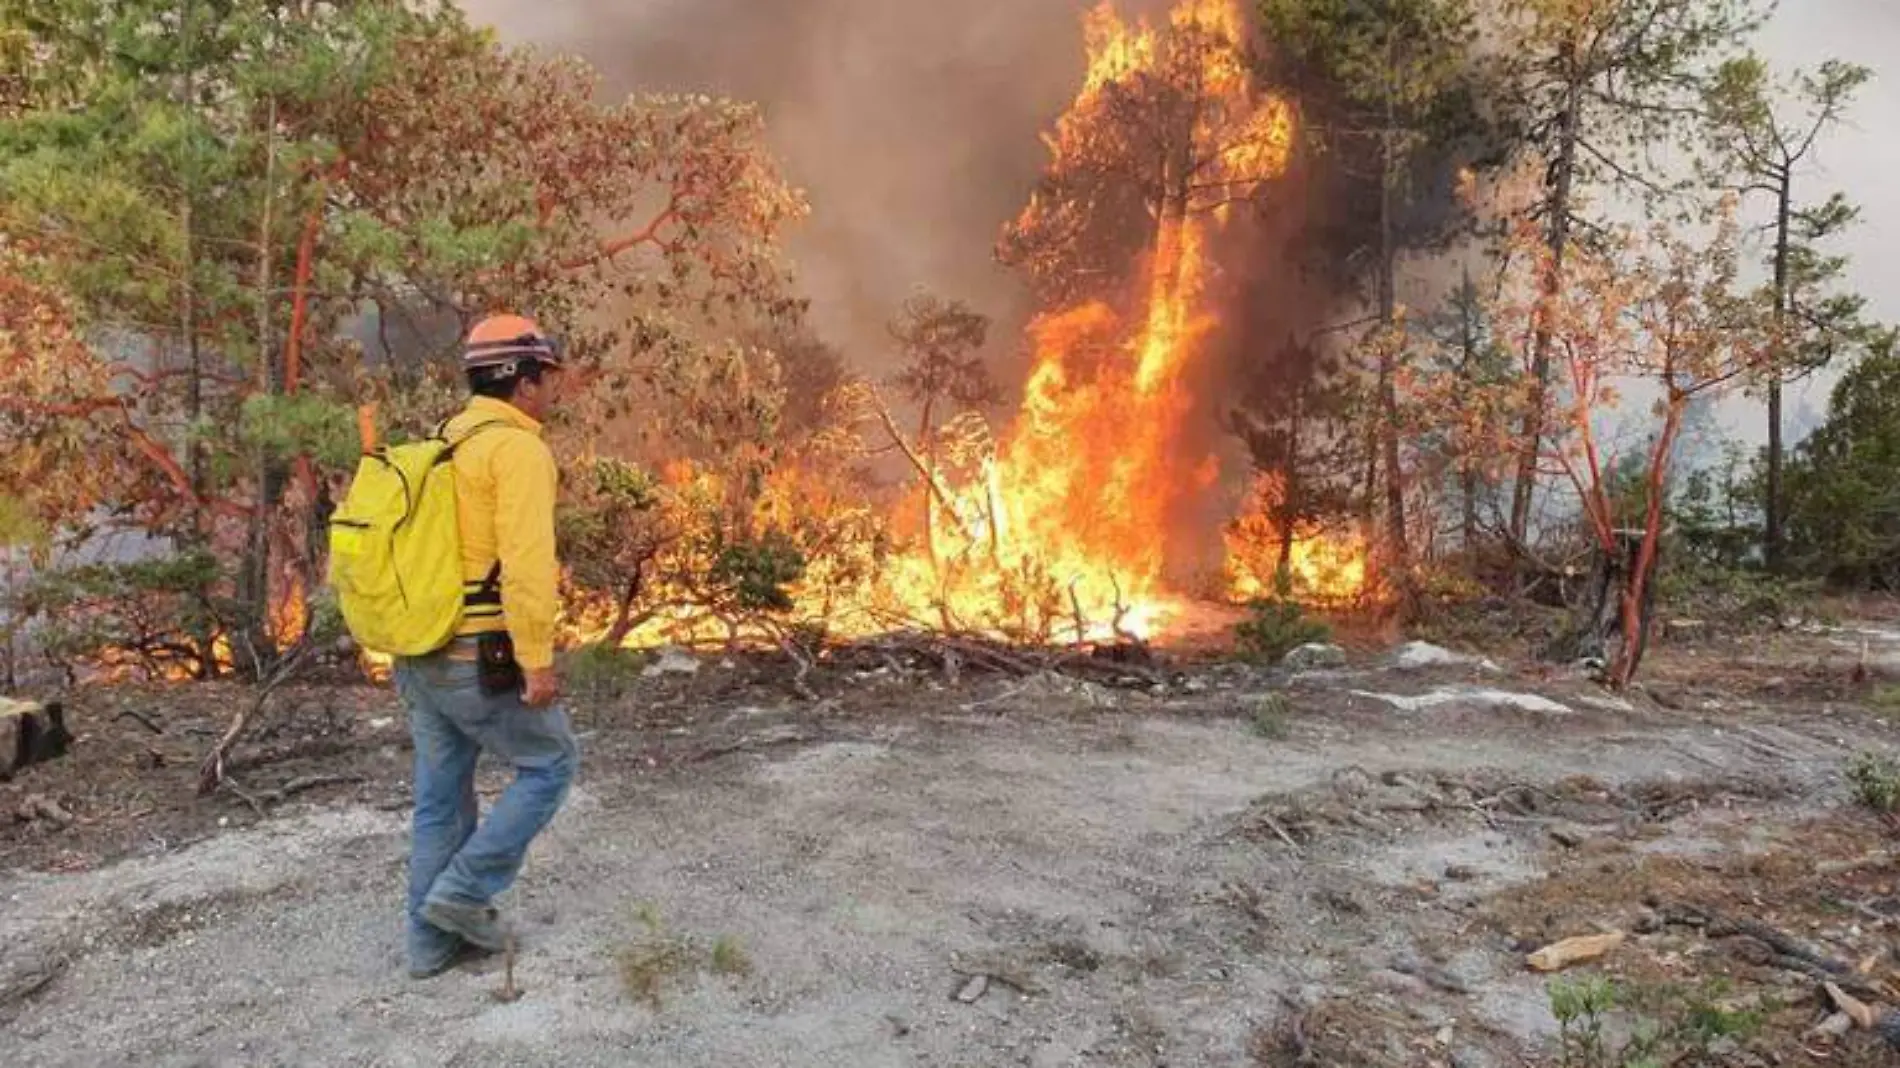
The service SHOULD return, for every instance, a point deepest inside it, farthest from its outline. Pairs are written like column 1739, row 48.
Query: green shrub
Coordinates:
column 1663, row 1025
column 1876, row 781
column 755, row 574
column 159, row 616
column 1270, row 717
column 1278, row 624
column 603, row 672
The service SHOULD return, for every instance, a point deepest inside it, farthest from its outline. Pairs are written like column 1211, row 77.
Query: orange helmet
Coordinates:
column 498, row 344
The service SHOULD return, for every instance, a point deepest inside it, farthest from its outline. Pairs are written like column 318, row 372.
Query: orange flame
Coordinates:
column 1062, row 532
column 1322, row 568
column 1096, row 467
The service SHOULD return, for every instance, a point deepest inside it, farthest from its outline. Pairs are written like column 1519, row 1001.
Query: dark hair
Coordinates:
column 500, row 383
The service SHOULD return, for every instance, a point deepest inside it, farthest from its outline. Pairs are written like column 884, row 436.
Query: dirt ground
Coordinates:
column 1234, row 866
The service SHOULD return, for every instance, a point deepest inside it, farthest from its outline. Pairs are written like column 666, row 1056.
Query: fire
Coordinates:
column 1095, row 469
column 1322, row 568
column 1059, row 531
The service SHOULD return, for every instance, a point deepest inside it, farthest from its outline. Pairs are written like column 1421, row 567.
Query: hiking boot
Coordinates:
column 478, row 924
column 457, row 952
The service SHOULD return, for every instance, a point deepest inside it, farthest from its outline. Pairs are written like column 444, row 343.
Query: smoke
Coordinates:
column 915, row 128
column 912, row 125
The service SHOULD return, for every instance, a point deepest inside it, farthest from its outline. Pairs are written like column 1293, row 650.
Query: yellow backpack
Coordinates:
column 396, row 549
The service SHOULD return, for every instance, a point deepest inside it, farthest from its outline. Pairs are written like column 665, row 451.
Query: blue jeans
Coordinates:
column 453, row 859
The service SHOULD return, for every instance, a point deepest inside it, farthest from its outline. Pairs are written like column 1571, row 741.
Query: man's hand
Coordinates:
column 542, row 687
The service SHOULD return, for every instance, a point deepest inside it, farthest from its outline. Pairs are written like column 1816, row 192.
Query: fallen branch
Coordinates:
column 1789, row 953
column 1829, row 868
column 212, row 771
column 260, row 802
column 147, row 723
column 1274, row 826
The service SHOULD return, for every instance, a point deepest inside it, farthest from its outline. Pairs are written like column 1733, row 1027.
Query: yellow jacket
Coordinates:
column 505, row 484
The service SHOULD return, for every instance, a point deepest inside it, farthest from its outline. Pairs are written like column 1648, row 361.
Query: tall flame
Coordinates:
column 1063, row 529
column 1094, row 471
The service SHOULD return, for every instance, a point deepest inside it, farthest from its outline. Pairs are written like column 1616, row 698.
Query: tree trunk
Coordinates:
column 1639, row 576
column 623, row 615
column 1291, row 483
column 1467, row 464
column 199, row 537
column 254, row 588
column 1390, row 351
column 926, row 447
column 1559, row 231
column 1771, row 507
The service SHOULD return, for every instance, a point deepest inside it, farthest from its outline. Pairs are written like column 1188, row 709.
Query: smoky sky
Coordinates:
column 912, row 125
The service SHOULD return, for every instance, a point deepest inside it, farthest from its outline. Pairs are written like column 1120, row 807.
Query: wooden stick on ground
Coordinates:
column 211, row 772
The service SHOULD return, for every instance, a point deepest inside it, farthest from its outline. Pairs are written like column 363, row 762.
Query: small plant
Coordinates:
column 729, row 957
column 1876, row 782
column 1271, row 717
column 603, row 672
column 1679, row 1028
column 658, row 955
column 1278, row 625
column 1581, row 1008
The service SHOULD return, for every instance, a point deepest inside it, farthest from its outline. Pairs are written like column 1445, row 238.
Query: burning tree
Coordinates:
column 1168, row 132
column 1298, row 432
column 1169, row 126
column 1659, row 313
column 943, row 374
column 1390, row 93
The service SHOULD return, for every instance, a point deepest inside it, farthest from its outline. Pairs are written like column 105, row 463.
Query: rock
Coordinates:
column 1890, row 1029
column 1835, row 1026
column 1410, row 987
column 671, row 660
column 1570, row 951
column 1568, row 836
column 41, row 807
column 30, row 733
column 1468, row 698
column 974, row 990
column 1314, row 655
column 1415, row 655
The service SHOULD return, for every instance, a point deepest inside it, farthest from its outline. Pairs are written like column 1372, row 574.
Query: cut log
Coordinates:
column 1561, row 955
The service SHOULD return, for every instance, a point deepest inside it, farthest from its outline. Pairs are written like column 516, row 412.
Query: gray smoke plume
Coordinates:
column 913, row 126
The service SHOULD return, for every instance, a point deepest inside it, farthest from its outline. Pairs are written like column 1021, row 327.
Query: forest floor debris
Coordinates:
column 1003, row 862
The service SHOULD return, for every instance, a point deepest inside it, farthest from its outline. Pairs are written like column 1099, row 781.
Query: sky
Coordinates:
column 1861, row 158
column 914, row 126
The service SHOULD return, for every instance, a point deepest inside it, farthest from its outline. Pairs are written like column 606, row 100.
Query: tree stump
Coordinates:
column 30, row 733
column 1601, row 636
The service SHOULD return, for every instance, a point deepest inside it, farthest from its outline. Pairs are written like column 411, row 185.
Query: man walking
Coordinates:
column 493, row 688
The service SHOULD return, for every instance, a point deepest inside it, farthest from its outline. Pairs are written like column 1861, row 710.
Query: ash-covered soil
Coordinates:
column 1231, row 867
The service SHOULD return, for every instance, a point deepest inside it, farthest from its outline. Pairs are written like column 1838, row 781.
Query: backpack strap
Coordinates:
column 441, row 434
column 484, row 597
